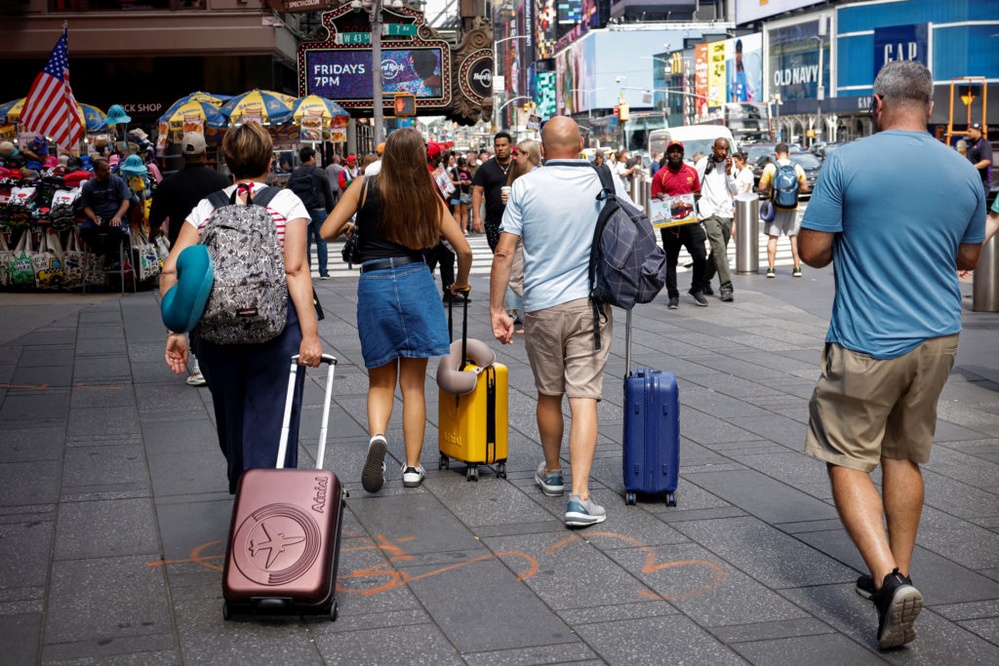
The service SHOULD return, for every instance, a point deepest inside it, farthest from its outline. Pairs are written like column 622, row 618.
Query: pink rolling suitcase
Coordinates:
column 284, row 540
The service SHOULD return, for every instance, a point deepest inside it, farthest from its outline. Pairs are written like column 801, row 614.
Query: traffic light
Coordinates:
column 617, row 111
column 405, row 105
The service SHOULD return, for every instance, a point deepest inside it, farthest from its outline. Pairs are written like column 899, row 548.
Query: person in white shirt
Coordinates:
column 743, row 174
column 717, row 187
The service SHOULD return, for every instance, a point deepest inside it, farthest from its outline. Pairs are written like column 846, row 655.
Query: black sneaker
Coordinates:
column 674, row 303
column 865, row 586
column 699, row 298
column 898, row 604
column 707, row 290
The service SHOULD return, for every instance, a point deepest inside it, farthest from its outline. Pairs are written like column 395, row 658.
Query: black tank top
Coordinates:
column 374, row 245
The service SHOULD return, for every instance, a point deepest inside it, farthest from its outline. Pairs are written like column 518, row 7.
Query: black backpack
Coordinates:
column 627, row 266
column 303, row 183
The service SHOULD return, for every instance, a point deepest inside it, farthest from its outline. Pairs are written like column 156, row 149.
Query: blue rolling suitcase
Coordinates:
column 651, row 457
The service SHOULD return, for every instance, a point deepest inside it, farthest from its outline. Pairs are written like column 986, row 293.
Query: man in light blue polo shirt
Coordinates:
column 898, row 214
column 555, row 209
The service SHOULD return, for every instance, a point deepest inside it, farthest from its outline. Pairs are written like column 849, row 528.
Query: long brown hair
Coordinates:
column 533, row 151
column 411, row 207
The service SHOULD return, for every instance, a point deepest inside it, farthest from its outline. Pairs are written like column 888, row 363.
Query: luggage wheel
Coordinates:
column 670, row 499
column 226, row 611
column 630, row 498
column 472, row 473
column 443, row 463
column 501, row 470
column 334, row 612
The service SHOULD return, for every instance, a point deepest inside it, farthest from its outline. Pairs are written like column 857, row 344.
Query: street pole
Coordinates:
column 819, row 88
column 376, row 82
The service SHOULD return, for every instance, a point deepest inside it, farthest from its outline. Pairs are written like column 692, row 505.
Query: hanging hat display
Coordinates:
column 133, row 166
column 117, row 115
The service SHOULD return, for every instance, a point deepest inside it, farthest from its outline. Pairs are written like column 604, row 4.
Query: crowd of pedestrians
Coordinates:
column 891, row 343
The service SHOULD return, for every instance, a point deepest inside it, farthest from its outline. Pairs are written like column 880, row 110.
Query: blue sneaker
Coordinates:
column 551, row 483
column 583, row 514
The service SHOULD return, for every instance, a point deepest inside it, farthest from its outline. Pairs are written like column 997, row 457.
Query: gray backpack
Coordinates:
column 249, row 299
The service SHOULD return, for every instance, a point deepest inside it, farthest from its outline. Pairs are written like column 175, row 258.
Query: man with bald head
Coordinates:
column 554, row 210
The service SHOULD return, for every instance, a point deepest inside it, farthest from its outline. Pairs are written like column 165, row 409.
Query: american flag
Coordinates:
column 50, row 108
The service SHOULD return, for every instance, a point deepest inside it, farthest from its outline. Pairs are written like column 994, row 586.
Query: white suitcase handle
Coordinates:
column 289, row 401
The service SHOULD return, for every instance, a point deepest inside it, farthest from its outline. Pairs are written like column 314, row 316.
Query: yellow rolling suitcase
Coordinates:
column 473, row 405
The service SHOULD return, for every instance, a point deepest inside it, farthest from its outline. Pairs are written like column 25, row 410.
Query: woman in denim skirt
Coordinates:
column 400, row 318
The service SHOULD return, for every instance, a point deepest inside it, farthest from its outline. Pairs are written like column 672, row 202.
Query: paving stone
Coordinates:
column 103, row 421
column 803, row 649
column 575, row 653
column 19, row 637
column 113, row 367
column 153, row 651
column 961, row 541
column 34, row 408
column 97, row 469
column 205, row 637
column 627, row 642
column 702, row 587
column 706, row 429
column 189, row 472
column 46, row 336
column 965, row 468
column 513, row 616
column 47, row 356
column 414, row 644
column 106, row 529
column 418, row 520
column 764, row 497
column 491, row 501
column 31, row 443
column 25, row 546
column 107, row 599
column 192, row 435
column 27, row 483
column 765, row 553
column 764, row 631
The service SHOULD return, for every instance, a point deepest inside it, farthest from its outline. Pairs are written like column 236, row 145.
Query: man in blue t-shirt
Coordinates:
column 898, row 214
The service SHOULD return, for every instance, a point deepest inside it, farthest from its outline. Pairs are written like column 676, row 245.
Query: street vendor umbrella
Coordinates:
column 93, row 118
column 269, row 107
column 193, row 109
column 316, row 105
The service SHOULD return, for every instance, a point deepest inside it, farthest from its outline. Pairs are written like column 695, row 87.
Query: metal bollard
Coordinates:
column 985, row 282
column 747, row 233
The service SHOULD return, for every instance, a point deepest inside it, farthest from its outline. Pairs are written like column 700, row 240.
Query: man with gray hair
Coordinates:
column 558, row 317
column 896, row 213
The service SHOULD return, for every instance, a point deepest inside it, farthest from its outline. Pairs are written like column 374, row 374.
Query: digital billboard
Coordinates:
column 753, row 10
column 545, row 28
column 345, row 75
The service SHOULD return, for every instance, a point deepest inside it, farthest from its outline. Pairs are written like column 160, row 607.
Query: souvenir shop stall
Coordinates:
column 42, row 225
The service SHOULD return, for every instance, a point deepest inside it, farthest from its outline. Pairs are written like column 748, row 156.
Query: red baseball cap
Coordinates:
column 434, row 149
column 351, row 158
column 674, row 143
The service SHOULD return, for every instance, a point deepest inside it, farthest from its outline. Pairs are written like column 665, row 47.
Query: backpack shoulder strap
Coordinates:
column 606, row 180
column 264, row 195
column 218, row 199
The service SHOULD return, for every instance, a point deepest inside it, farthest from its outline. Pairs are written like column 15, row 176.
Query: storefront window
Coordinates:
column 124, row 5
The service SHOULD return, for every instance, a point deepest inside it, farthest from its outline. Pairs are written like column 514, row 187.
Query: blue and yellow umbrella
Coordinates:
column 316, row 105
column 267, row 106
column 192, row 108
column 92, row 117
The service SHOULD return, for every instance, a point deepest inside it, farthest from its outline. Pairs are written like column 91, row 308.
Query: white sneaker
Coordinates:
column 196, row 379
column 373, row 474
column 412, row 477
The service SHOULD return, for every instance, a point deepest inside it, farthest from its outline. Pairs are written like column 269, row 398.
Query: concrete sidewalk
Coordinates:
column 114, row 510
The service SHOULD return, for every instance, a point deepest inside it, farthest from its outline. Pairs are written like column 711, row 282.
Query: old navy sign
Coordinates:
column 900, row 42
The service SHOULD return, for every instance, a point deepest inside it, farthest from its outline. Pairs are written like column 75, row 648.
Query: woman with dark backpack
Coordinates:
column 400, row 319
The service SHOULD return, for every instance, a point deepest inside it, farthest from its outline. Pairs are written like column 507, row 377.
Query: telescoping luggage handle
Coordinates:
column 464, row 325
column 289, row 401
column 627, row 344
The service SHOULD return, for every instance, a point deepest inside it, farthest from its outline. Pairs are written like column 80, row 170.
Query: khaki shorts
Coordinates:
column 864, row 409
column 559, row 343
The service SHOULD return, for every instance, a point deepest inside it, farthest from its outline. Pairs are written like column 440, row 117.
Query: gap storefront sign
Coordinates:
column 900, row 42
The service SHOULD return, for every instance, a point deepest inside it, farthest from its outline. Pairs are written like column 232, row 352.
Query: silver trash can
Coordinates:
column 985, row 282
column 747, row 233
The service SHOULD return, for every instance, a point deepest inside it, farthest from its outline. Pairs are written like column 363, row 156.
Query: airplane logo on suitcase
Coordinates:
column 276, row 544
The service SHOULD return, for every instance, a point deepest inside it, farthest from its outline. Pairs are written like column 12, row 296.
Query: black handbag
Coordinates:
column 351, row 251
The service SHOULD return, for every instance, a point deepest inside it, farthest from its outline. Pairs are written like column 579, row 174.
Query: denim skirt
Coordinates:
column 400, row 314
